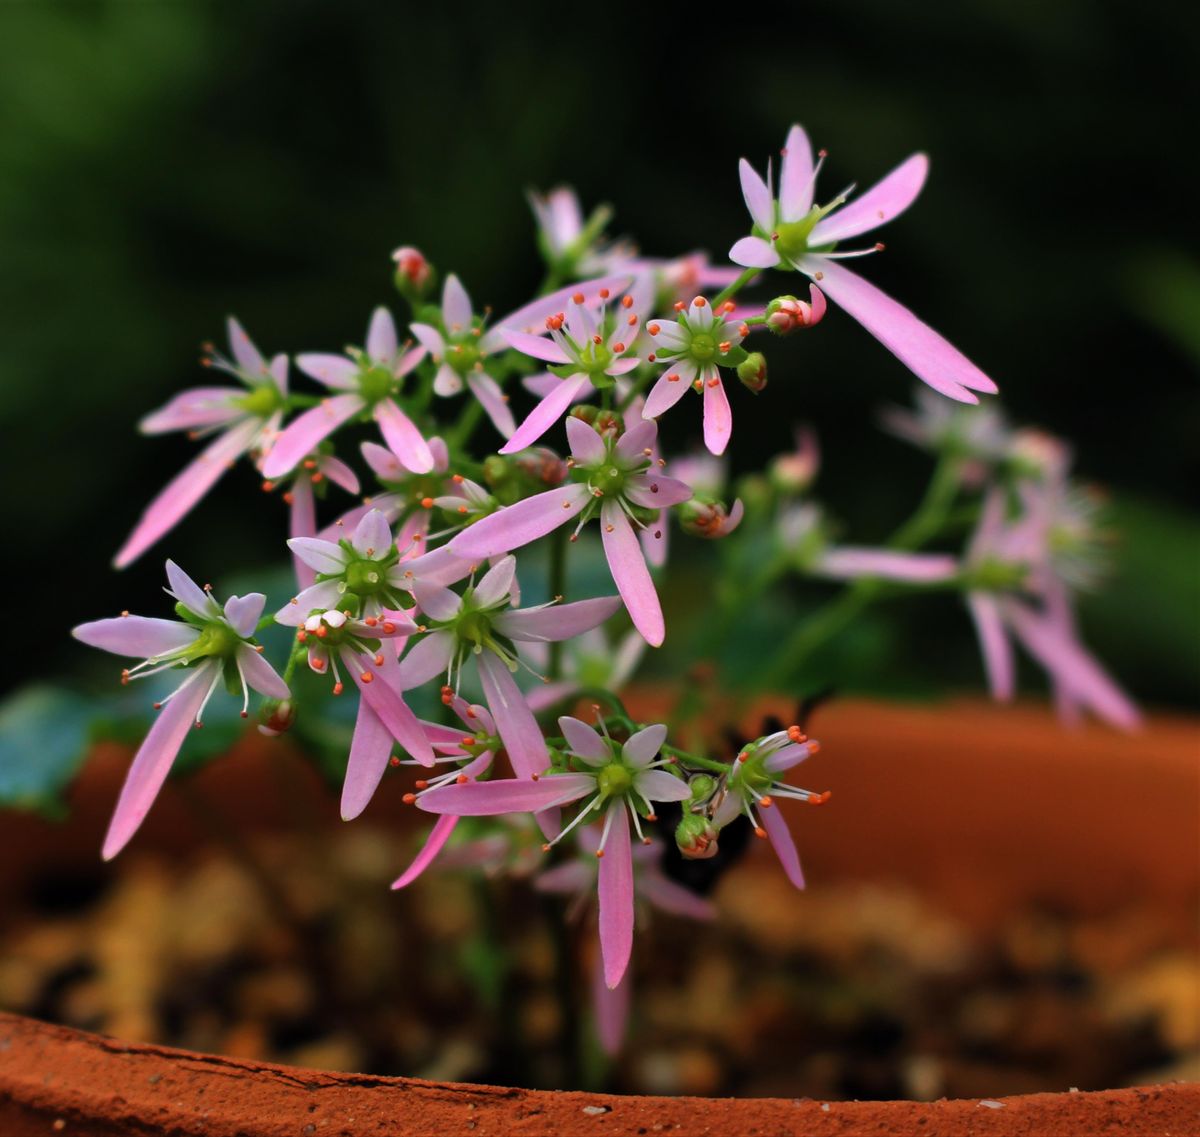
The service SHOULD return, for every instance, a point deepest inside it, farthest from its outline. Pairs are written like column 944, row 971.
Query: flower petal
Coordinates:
column 667, row 896
column 886, row 199
column 630, row 574
column 403, row 438
column 640, row 437
column 848, row 563
column 324, row 556
column 611, row 1007
column 785, row 848
column 456, row 305
column 429, row 338
column 518, row 524
column 496, row 584
column 795, row 176
column 154, row 758
column 260, row 674
column 372, row 535
column 303, row 434
column 335, row 371
column 493, row 400
column 537, row 346
column 370, row 749
column 248, row 358
column 438, row 836
column 198, row 407
column 242, row 612
column 143, row 637
column 583, row 741
column 754, row 252
column 186, row 489
column 587, row 447
column 426, row 659
column 615, row 886
column 558, row 622
column 658, row 785
column 672, row 385
column 718, row 419
column 382, row 343
column 546, row 413
column 757, row 193
column 517, row 727
column 532, row 317
column 930, row 357
column 296, row 611
column 994, row 644
column 641, row 748
column 506, row 795
column 190, row 594
column 387, row 703
column 302, row 522
column 657, row 491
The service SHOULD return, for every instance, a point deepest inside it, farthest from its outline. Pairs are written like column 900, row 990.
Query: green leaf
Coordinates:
column 44, row 738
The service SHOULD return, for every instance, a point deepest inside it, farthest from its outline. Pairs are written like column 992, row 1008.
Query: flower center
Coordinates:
column 375, row 383
column 614, row 780
column 703, row 347
column 263, row 401
column 609, row 480
column 366, row 577
column 463, row 354
column 474, row 626
column 217, row 639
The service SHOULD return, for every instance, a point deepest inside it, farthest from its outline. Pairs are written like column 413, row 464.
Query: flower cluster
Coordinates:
column 420, row 587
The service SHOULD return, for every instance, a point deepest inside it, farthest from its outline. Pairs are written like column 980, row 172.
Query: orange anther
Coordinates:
column 366, row 676
column 653, row 329
column 626, row 301
column 578, row 297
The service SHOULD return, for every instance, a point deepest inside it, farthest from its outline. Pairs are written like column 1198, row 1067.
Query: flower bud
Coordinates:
column 703, row 786
column 276, row 717
column 604, row 422
column 543, row 466
column 709, row 519
column 414, row 274
column 787, row 314
column 794, row 472
column 696, row 837
column 752, row 371
column 496, row 471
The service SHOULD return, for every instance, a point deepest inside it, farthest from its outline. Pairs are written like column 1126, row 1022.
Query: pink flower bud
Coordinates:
column 276, row 717
column 412, row 266
column 787, row 314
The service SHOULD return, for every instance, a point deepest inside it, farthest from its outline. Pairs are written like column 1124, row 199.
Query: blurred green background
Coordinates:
column 163, row 164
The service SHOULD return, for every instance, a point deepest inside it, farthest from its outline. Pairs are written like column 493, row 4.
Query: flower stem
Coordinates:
column 558, row 588
column 689, row 759
column 731, row 290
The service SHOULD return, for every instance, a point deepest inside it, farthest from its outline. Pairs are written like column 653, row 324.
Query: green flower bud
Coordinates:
column 752, row 371
column 696, row 837
column 276, row 716
column 703, row 786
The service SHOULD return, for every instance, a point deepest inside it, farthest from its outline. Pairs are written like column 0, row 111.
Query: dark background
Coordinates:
column 164, row 163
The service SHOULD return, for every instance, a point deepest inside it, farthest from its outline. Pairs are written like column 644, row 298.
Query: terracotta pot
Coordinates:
column 982, row 808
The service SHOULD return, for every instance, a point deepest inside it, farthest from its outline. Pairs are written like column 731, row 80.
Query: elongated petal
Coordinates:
column 532, row 317
column 587, row 447
column 184, row 490
column 154, row 758
column 758, row 196
column 370, row 749
column 438, row 836
column 245, row 354
column 260, row 674
column 640, row 437
column 386, row 702
column 506, row 795
column 514, row 720
column 427, row 658
column 658, row 785
column 302, row 522
column 403, row 438
column 630, row 574
column 787, row 757
column 615, row 886
column 429, row 338
column 537, row 346
column 296, row 611
column 372, row 535
column 641, row 748
column 584, row 742
column 493, row 401
column 929, row 357
column 1072, row 666
column 795, row 176
column 518, row 524
column 667, row 896
column 754, row 252
column 496, row 584
column 886, row 199
column 456, row 305
column 994, row 645
column 242, row 612
column 672, row 385
column 570, row 877
column 447, row 382
column 305, row 433
column 718, row 419
column 142, row 637
column 560, row 622
column 198, row 407
column 545, row 414
column 189, row 593
column 848, row 563
column 324, row 556
column 335, row 371
column 382, row 343
column 435, row 600
column 657, row 491
column 785, row 848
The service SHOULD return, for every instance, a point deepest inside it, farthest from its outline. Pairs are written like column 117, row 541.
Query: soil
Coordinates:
column 996, row 917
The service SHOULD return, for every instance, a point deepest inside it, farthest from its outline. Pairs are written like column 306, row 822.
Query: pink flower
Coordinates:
column 207, row 642
column 578, row 879
column 368, row 381
column 413, row 268
column 979, row 437
column 613, row 479
column 332, row 638
column 586, row 354
column 480, row 625
column 1031, row 554
column 794, row 472
column 618, row 781
column 753, row 785
column 589, row 660
column 694, row 346
column 791, row 233
column 241, row 417
column 849, row 562
column 469, row 756
column 460, row 346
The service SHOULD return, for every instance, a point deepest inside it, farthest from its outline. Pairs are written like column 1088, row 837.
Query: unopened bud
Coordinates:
column 276, row 716
column 543, row 466
column 604, row 422
column 787, row 314
column 794, row 472
column 696, row 837
column 414, row 274
column 703, row 786
column 496, row 471
column 752, row 371
column 709, row 519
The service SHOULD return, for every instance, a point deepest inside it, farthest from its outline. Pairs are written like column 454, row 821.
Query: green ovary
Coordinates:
column 375, row 384
column 609, row 480
column 215, row 640
column 263, row 401
column 614, row 781
column 703, row 348
column 366, row 578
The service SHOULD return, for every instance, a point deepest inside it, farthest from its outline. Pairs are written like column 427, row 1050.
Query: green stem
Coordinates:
column 733, row 289
column 689, row 759
column 558, row 589
column 466, row 425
